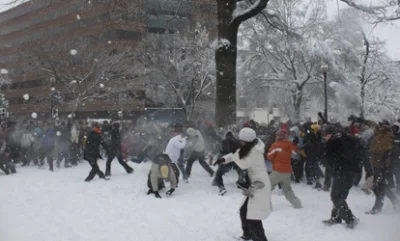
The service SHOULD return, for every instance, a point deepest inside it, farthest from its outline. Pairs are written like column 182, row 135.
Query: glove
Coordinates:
column 249, row 192
column 219, row 161
column 157, row 194
column 172, row 190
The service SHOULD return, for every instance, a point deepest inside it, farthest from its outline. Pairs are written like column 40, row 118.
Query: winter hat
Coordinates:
column 191, row 132
column 246, row 125
column 282, row 133
column 247, row 134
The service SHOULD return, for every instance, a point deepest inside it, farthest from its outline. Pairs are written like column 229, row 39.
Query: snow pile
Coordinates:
column 65, row 208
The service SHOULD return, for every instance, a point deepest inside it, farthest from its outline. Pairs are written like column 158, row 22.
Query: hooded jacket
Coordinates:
column 296, row 155
column 280, row 154
column 197, row 141
column 344, row 153
column 92, row 145
column 174, row 147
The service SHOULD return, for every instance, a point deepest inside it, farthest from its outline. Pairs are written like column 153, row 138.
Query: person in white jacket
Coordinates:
column 174, row 151
column 257, row 203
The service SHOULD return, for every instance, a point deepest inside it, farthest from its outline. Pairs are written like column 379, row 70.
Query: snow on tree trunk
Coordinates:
column 229, row 20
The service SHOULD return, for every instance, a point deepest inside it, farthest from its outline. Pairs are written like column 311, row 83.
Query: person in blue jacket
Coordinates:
column 47, row 145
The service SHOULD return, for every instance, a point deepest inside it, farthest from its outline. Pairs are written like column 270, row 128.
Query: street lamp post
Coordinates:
column 53, row 90
column 324, row 70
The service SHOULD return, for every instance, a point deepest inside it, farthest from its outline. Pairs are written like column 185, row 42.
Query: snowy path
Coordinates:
column 36, row 205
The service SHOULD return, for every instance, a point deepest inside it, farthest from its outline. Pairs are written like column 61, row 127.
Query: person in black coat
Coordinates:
column 395, row 155
column 115, row 151
column 343, row 154
column 229, row 145
column 92, row 153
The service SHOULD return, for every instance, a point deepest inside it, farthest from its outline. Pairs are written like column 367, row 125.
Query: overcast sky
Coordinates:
column 387, row 32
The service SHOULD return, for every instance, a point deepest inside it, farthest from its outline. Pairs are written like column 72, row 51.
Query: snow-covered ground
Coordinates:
column 37, row 205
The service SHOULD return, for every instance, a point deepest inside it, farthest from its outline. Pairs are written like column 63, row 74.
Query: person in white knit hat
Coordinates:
column 257, row 202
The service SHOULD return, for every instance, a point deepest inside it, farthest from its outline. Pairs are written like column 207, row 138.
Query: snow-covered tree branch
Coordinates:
column 178, row 69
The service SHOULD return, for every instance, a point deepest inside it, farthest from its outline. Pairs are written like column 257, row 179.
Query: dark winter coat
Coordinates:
column 115, row 141
column 48, row 139
column 344, row 153
column 396, row 149
column 312, row 145
column 63, row 141
column 92, row 147
column 229, row 145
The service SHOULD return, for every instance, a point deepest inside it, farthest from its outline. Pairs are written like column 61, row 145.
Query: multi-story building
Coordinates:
column 45, row 24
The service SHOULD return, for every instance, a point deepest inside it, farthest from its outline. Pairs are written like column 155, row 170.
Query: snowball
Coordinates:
column 58, row 133
column 34, row 115
column 69, row 116
column 74, row 82
column 96, row 60
column 109, row 42
column 78, row 17
column 4, row 71
column 53, row 89
column 221, row 73
column 101, row 85
column 73, row 52
column 26, row 97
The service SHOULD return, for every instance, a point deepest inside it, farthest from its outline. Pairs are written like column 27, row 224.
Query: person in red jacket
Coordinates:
column 280, row 154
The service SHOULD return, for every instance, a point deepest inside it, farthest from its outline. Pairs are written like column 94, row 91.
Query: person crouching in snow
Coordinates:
column 280, row 154
column 256, row 206
column 160, row 170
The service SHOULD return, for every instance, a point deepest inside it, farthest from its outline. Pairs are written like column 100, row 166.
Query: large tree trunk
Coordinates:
column 225, row 57
column 297, row 98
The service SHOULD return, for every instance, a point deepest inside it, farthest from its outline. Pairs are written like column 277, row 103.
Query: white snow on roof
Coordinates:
column 8, row 4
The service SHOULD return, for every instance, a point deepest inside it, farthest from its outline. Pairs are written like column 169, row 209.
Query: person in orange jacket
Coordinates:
column 280, row 154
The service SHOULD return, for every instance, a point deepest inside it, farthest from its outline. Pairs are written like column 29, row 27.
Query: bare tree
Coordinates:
column 230, row 17
column 386, row 10
column 285, row 60
column 85, row 71
column 179, row 69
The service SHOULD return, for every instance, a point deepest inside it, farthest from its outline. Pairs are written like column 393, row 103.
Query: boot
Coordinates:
column 129, row 170
column 353, row 224
column 326, row 188
column 331, row 222
column 374, row 211
column 318, row 186
column 108, row 173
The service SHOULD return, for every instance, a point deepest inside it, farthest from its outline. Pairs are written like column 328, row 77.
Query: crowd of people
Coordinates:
column 264, row 157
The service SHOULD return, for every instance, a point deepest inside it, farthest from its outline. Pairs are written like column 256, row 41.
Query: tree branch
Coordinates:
column 250, row 12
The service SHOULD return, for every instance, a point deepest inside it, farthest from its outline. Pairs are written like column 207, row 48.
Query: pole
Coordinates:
column 52, row 102
column 326, row 97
